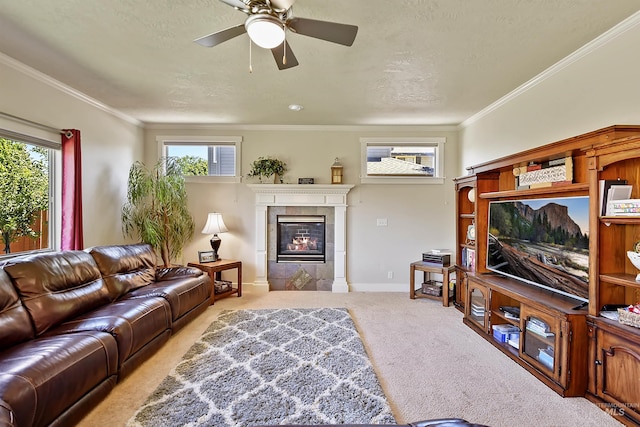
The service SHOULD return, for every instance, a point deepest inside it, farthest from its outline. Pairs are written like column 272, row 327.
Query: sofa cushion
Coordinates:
column 55, row 287
column 15, row 321
column 170, row 273
column 125, row 267
column 182, row 293
column 41, row 378
column 133, row 323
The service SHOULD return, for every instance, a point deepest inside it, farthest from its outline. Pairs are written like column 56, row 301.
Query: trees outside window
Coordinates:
column 24, row 185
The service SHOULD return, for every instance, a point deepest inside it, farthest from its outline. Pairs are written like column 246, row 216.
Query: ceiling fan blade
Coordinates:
column 330, row 31
column 283, row 4
column 278, row 54
column 221, row 36
column 235, row 3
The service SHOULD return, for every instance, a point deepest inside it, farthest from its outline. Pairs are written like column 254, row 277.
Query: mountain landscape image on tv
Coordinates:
column 544, row 242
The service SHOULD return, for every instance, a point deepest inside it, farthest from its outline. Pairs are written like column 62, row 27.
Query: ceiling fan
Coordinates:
column 267, row 23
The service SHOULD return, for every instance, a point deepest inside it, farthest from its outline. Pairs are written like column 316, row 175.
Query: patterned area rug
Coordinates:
column 280, row 366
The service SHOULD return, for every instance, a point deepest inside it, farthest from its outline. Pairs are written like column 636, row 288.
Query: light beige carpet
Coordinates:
column 430, row 365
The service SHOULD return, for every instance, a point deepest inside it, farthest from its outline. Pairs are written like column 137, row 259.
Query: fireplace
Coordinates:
column 301, row 238
column 295, row 199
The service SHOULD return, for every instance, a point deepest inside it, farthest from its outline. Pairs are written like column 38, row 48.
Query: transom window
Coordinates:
column 208, row 159
column 402, row 160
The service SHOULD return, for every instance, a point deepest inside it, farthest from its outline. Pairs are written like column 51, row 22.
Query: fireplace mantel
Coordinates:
column 332, row 195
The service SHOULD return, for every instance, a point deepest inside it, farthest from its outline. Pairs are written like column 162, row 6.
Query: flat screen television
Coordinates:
column 543, row 242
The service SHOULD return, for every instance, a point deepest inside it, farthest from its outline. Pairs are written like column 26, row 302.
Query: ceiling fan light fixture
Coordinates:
column 265, row 30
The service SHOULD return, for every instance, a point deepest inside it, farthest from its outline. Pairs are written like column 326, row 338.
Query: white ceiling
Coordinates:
column 414, row 62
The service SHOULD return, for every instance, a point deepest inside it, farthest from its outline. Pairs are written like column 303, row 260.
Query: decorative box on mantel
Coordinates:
column 332, row 195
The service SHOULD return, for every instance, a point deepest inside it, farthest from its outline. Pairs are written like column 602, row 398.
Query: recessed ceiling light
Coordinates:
column 295, row 107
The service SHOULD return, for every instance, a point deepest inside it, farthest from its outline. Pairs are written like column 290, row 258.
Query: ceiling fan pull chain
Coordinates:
column 250, row 62
column 284, row 53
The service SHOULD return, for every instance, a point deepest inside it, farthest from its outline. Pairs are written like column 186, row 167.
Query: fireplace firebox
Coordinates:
column 301, row 238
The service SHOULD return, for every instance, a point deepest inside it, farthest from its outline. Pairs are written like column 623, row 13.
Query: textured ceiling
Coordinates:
column 417, row 62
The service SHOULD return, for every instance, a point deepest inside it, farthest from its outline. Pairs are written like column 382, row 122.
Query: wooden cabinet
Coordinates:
column 614, row 348
column 540, row 343
column 552, row 340
column 603, row 360
column 478, row 309
column 465, row 218
column 615, row 358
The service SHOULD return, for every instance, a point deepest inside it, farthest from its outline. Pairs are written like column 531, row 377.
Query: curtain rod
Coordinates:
column 32, row 123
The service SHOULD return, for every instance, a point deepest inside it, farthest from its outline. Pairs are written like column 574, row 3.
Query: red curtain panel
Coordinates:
column 72, row 236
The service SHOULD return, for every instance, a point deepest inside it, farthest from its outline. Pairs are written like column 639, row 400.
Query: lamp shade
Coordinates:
column 265, row 30
column 214, row 224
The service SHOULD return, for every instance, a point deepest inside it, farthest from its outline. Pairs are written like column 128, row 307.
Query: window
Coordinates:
column 205, row 159
column 402, row 160
column 28, row 183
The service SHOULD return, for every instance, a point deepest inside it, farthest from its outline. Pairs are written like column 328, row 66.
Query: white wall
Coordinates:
column 420, row 217
column 109, row 143
column 596, row 87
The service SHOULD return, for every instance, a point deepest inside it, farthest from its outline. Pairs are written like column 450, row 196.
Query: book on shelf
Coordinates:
column 471, row 259
column 624, row 207
column 538, row 322
column 539, row 331
column 605, row 185
column 468, row 258
column 617, row 192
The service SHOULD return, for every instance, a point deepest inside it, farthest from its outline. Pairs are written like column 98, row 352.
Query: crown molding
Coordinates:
column 50, row 81
column 598, row 42
column 303, row 128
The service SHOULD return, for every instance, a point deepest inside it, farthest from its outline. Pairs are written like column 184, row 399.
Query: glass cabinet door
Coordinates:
column 540, row 343
column 477, row 308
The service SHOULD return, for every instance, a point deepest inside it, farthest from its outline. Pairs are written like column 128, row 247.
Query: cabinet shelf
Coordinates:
column 514, row 322
column 621, row 220
column 622, row 279
column 569, row 188
column 547, row 340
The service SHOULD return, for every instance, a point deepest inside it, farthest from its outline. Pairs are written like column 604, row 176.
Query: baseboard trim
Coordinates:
column 351, row 287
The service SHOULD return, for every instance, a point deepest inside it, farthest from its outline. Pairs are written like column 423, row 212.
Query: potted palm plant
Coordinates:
column 268, row 166
column 156, row 208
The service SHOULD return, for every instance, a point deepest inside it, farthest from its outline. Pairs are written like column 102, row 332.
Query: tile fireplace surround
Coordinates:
column 317, row 195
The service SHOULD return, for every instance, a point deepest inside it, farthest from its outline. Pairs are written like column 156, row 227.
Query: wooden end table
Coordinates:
column 214, row 269
column 427, row 268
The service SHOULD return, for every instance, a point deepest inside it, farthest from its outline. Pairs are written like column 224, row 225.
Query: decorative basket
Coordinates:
column 629, row 318
column 221, row 286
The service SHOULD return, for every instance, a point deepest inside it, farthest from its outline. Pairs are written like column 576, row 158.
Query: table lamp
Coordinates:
column 215, row 225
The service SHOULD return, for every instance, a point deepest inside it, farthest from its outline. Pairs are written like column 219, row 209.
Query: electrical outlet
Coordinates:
column 381, row 222
column 389, row 274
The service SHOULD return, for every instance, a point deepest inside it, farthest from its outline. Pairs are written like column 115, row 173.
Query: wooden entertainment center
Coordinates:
column 567, row 345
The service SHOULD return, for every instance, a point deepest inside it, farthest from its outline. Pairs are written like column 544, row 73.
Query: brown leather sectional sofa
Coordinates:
column 73, row 323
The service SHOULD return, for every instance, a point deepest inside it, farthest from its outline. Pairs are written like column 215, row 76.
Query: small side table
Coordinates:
column 214, row 270
column 428, row 269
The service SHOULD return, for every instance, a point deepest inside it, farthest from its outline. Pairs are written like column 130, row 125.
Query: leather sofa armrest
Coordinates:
column 170, row 273
column 7, row 418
